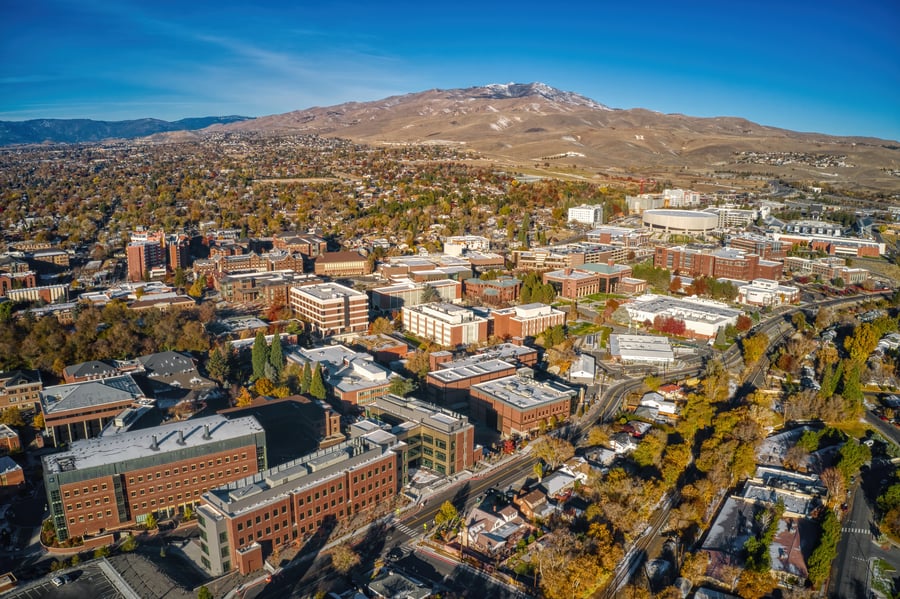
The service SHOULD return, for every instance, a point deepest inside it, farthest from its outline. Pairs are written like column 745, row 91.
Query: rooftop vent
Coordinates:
column 206, row 434
column 180, row 437
column 154, row 446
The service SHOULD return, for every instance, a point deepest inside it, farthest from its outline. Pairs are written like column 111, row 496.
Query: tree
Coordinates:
column 38, row 421
column 264, row 386
column 188, row 513
column 553, row 451
column 129, row 544
column 204, row 593
column 150, row 522
column 180, row 278
column 447, row 515
column 743, row 323
column 12, row 416
column 101, row 552
column 344, row 558
column 675, row 284
column 198, row 287
column 401, row 386
column 852, row 455
column 316, row 384
column 823, row 318
column 276, row 356
column 305, row 378
column 259, row 356
column 381, row 326
column 823, row 555
column 219, row 366
column 835, row 485
column 799, row 320
column 754, row 347
column 245, row 398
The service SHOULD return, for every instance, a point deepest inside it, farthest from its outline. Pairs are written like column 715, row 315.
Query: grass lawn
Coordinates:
column 602, row 297
column 584, row 328
column 881, row 578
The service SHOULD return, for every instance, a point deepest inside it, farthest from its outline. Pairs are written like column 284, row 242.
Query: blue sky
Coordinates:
column 831, row 67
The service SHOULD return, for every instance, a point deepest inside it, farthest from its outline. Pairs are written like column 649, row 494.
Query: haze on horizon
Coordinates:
column 806, row 66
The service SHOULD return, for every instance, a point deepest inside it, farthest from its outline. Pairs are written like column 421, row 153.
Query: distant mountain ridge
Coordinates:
column 87, row 130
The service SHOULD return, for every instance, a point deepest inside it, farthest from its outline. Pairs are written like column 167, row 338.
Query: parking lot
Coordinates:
column 89, row 581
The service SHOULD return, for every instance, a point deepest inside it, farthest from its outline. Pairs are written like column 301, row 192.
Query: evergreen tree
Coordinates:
column 259, row 356
column 219, row 366
column 316, row 384
column 305, row 378
column 276, row 356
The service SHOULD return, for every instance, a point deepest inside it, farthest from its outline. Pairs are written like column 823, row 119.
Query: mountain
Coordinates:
column 537, row 125
column 86, row 130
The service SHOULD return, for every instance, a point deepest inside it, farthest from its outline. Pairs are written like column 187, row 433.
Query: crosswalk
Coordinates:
column 858, row 531
column 405, row 529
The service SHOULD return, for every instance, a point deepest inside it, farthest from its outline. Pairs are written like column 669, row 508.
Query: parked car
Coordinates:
column 62, row 579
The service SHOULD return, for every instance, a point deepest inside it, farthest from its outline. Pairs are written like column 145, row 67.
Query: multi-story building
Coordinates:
column 269, row 288
column 49, row 294
column 435, row 438
column 828, row 269
column 622, row 236
column 58, row 258
column 568, row 256
column 845, row 246
column 342, row 264
column 331, row 309
column 310, row 246
column 11, row 474
column 80, row 410
column 501, row 290
column 450, row 383
column 20, row 389
column 143, row 257
column 641, row 349
column 385, row 348
column 764, row 247
column 519, row 404
column 720, row 264
column 679, row 198
column 445, row 324
column 244, row 521
column 528, row 320
column 466, row 243
column 734, row 217
column 573, row 283
column 117, row 480
column 9, row 439
column 393, row 297
column 17, row 280
column 586, row 214
column 355, row 379
column 765, row 292
column 702, row 318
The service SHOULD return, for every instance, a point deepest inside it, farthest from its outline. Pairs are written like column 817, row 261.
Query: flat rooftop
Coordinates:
column 116, row 449
column 413, row 410
column 468, row 368
column 327, row 291
column 524, row 393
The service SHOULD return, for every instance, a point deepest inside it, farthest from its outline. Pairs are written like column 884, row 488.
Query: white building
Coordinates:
column 766, row 292
column 641, row 349
column 445, row 324
column 586, row 214
column 702, row 318
column 679, row 198
column 459, row 244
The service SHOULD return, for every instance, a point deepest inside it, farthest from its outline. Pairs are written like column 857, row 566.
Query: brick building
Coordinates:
column 20, row 389
column 502, row 290
column 529, row 320
column 519, row 404
column 143, row 257
column 308, row 245
column 719, row 264
column 331, row 309
column 117, row 480
column 241, row 523
column 9, row 439
column 450, row 382
column 342, row 264
column 11, row 474
column 80, row 410
column 573, row 283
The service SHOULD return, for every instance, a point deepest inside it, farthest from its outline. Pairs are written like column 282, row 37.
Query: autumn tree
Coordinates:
column 12, row 416
column 344, row 558
column 381, row 326
column 553, row 451
column 245, row 398
column 754, row 347
column 447, row 515
column 401, row 386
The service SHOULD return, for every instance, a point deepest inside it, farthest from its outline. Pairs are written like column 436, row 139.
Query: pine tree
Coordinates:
column 276, row 356
column 316, row 384
column 218, row 366
column 259, row 356
column 305, row 378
